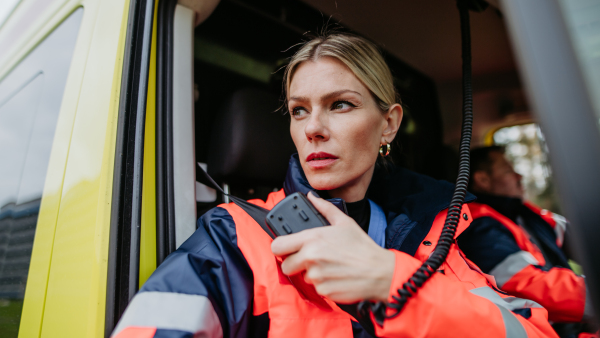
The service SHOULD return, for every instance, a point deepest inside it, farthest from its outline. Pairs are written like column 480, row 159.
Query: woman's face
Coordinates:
column 337, row 127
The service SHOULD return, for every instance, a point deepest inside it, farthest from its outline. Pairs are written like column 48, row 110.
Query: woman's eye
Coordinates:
column 298, row 111
column 341, row 105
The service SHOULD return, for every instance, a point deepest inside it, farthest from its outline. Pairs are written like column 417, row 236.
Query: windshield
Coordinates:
column 583, row 22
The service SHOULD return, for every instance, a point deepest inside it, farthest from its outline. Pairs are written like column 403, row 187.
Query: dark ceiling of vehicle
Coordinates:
column 426, row 34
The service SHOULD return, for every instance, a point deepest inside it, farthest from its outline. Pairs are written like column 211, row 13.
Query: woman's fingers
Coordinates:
column 339, row 260
column 294, row 264
column 330, row 211
column 289, row 244
column 301, row 249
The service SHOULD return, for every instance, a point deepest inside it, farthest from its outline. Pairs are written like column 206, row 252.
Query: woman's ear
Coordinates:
column 393, row 118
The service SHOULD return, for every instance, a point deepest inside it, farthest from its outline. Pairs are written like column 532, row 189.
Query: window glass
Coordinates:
column 583, row 22
column 6, row 9
column 30, row 100
column 526, row 149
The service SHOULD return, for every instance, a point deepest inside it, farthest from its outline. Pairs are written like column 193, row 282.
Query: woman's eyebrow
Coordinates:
column 299, row 98
column 338, row 93
column 326, row 96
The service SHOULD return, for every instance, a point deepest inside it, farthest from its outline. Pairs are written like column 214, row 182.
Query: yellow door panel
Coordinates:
column 148, row 220
column 35, row 293
column 76, row 295
column 71, row 247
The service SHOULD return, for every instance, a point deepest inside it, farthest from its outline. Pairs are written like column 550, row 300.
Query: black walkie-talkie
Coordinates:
column 294, row 214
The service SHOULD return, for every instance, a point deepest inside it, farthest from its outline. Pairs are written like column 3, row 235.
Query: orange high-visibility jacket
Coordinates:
column 512, row 254
column 225, row 281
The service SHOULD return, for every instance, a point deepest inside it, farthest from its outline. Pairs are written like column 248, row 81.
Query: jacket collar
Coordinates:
column 535, row 225
column 507, row 206
column 411, row 201
column 296, row 181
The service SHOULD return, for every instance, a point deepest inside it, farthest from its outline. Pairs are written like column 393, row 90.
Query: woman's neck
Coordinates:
column 355, row 190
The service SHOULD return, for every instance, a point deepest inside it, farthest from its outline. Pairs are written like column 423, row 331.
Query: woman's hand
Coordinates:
column 341, row 261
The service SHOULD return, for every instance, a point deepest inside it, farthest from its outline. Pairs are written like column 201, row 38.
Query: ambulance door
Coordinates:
column 73, row 91
column 32, row 131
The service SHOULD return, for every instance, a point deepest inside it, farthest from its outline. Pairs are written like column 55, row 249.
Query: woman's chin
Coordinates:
column 324, row 181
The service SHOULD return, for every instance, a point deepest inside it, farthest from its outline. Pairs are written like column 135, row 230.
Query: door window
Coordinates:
column 6, row 8
column 583, row 22
column 526, row 148
column 30, row 100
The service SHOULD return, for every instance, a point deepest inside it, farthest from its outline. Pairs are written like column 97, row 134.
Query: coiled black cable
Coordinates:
column 439, row 254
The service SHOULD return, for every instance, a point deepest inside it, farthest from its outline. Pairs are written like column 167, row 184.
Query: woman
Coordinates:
column 230, row 279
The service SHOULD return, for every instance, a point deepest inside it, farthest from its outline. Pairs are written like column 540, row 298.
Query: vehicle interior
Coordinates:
column 219, row 100
column 236, row 128
column 256, row 55
column 221, row 75
column 241, row 131
column 219, row 96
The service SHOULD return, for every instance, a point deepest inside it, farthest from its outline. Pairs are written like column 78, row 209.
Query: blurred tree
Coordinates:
column 526, row 149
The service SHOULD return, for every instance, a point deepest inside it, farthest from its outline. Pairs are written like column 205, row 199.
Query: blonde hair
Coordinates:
column 361, row 56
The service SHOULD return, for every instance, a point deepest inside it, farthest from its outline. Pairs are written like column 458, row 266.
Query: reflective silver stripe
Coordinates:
column 510, row 303
column 173, row 311
column 560, row 228
column 588, row 310
column 511, row 265
column 513, row 327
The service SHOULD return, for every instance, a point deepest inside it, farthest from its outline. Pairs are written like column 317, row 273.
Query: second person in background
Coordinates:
column 520, row 244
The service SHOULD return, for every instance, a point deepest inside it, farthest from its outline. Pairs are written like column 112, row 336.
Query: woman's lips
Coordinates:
column 320, row 160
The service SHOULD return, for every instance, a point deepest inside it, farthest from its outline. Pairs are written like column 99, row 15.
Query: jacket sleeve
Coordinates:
column 203, row 289
column 443, row 307
column 493, row 248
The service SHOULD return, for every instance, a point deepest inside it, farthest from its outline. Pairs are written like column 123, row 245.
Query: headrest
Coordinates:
column 250, row 141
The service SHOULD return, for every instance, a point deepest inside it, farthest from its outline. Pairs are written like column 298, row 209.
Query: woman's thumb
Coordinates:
column 328, row 210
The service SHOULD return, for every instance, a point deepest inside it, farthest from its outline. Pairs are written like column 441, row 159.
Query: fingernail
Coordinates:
column 312, row 192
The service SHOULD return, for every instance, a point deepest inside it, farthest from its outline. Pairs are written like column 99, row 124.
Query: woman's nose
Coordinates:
column 316, row 127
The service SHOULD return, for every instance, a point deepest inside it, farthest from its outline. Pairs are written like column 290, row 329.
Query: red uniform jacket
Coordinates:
column 512, row 254
column 224, row 281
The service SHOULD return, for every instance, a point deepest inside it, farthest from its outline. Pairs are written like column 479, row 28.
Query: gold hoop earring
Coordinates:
column 385, row 152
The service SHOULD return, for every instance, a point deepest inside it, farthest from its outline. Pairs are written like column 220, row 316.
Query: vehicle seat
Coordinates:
column 250, row 145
